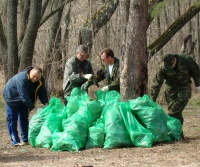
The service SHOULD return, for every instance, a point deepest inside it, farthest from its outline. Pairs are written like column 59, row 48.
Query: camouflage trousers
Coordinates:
column 177, row 98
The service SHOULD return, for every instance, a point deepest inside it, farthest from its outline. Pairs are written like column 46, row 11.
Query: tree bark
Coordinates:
column 26, row 52
column 12, row 50
column 24, row 20
column 133, row 80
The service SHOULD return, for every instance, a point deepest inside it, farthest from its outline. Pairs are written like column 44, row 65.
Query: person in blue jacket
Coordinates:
column 20, row 94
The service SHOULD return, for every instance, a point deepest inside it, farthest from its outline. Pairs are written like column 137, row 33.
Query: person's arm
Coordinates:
column 194, row 70
column 42, row 93
column 115, row 85
column 22, row 87
column 156, row 84
column 70, row 72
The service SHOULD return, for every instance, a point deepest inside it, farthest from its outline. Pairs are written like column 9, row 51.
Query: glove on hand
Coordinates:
column 87, row 76
column 85, row 86
column 105, row 89
column 197, row 89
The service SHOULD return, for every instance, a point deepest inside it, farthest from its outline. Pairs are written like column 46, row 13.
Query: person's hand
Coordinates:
column 105, row 89
column 197, row 89
column 87, row 76
column 85, row 86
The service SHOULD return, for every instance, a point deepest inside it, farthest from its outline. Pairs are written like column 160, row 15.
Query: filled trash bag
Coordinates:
column 75, row 131
column 96, row 135
column 95, row 108
column 140, row 136
column 77, row 92
column 174, row 128
column 116, row 132
column 38, row 119
column 50, row 126
column 151, row 116
column 72, row 105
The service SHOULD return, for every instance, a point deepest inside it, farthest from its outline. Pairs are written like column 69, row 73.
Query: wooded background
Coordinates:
column 140, row 32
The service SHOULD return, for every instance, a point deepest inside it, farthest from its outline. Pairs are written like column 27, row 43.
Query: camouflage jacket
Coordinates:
column 179, row 76
column 113, row 82
column 73, row 74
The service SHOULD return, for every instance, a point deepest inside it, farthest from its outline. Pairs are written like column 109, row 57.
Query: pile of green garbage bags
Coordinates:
column 105, row 122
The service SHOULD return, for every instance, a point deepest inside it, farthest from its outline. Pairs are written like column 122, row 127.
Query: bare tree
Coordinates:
column 133, row 80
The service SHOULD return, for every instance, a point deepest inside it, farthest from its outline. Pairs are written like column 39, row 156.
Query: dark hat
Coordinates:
column 168, row 61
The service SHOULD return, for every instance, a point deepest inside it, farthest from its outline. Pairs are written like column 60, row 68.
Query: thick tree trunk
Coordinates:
column 26, row 52
column 12, row 49
column 133, row 80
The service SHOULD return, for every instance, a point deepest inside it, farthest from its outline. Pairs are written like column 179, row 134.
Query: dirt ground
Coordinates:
column 176, row 154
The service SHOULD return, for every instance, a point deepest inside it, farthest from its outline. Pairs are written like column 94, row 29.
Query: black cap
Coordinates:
column 168, row 61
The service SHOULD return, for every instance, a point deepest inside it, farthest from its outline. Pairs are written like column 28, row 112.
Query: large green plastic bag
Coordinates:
column 151, row 116
column 139, row 135
column 116, row 132
column 174, row 128
column 112, row 96
column 38, row 119
column 95, row 108
column 96, row 135
column 50, row 126
column 82, row 94
column 75, row 131
column 72, row 105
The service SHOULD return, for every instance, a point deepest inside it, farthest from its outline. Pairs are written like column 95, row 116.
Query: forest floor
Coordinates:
column 177, row 154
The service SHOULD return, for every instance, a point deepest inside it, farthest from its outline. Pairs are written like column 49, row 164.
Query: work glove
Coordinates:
column 105, row 89
column 85, row 86
column 197, row 89
column 87, row 76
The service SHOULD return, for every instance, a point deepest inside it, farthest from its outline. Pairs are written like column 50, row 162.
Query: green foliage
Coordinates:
column 160, row 6
column 197, row 4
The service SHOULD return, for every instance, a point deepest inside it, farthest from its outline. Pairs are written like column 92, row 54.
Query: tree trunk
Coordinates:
column 12, row 50
column 133, row 80
column 26, row 52
column 66, row 35
column 53, row 52
column 24, row 19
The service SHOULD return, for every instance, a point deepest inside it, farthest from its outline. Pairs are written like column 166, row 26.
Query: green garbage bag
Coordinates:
column 38, row 119
column 116, row 132
column 174, row 128
column 96, row 135
column 75, row 131
column 82, row 94
column 151, row 116
column 72, row 105
column 95, row 108
column 140, row 136
column 50, row 126
column 112, row 96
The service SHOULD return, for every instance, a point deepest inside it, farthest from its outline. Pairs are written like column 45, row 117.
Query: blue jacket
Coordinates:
column 19, row 89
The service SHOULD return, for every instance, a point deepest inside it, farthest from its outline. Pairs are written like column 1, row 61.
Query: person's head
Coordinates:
column 107, row 56
column 169, row 61
column 82, row 52
column 35, row 74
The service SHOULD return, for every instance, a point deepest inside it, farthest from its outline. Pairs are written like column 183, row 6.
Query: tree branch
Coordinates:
column 44, row 19
column 172, row 30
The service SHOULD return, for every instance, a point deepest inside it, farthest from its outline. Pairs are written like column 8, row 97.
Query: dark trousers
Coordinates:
column 12, row 115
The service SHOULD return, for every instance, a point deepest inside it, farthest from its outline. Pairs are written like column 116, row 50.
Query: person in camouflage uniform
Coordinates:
column 109, row 72
column 177, row 71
